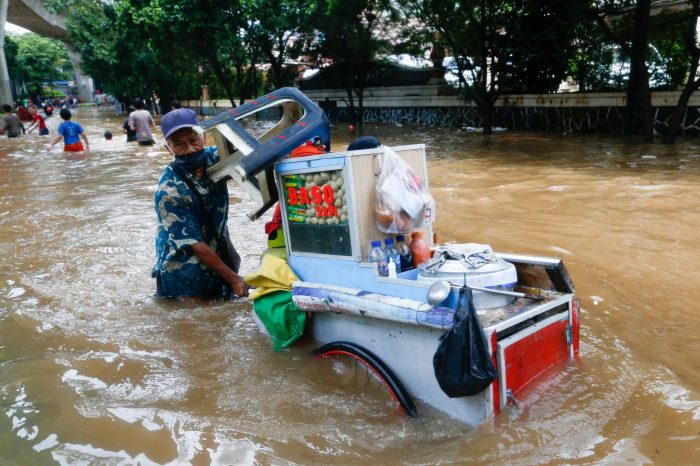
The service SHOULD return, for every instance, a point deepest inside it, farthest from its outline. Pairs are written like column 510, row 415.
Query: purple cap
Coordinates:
column 178, row 119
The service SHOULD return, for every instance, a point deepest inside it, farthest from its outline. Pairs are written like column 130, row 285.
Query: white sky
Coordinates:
column 9, row 27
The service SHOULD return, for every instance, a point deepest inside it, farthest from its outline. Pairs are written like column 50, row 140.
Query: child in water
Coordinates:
column 37, row 122
column 71, row 132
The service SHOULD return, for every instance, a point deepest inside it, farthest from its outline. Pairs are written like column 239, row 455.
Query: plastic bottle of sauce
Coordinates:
column 420, row 250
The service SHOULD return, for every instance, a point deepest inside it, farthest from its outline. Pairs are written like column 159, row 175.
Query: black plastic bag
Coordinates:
column 462, row 362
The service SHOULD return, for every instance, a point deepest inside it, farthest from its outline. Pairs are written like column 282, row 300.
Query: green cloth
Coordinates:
column 272, row 300
column 282, row 320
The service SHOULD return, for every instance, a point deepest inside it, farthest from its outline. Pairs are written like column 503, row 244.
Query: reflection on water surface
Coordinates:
column 93, row 370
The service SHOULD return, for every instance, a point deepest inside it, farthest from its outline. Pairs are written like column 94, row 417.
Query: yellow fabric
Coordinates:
column 273, row 275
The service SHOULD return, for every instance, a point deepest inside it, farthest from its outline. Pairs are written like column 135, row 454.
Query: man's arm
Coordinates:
column 87, row 143
column 210, row 258
column 58, row 138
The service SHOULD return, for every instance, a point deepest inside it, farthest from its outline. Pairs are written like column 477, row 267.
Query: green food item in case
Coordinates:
column 297, row 210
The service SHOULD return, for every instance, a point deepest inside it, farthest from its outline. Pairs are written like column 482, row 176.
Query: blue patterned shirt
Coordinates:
column 181, row 224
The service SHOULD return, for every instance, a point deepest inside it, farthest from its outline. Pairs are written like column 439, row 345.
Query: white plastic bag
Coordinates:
column 403, row 202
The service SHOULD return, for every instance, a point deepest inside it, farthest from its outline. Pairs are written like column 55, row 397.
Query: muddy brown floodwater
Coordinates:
column 94, row 371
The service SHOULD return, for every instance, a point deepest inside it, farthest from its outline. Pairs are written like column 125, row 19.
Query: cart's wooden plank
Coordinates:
column 366, row 167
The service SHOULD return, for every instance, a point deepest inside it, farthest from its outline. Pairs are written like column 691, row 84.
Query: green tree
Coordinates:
column 534, row 42
column 112, row 48
column 500, row 46
column 278, row 27
column 591, row 64
column 11, row 60
column 137, row 47
column 351, row 34
column 692, row 82
column 35, row 60
column 626, row 23
column 196, row 32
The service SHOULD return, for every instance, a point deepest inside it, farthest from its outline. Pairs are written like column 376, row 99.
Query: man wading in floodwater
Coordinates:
column 195, row 256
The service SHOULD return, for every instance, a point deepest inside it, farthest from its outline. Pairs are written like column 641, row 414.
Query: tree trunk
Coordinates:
column 486, row 112
column 360, row 91
column 638, row 95
column 646, row 112
column 220, row 75
column 247, row 85
column 484, row 100
column 674, row 125
column 240, row 77
column 351, row 102
column 279, row 63
column 692, row 84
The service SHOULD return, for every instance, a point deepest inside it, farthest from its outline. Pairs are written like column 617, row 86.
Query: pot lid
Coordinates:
column 454, row 266
column 463, row 259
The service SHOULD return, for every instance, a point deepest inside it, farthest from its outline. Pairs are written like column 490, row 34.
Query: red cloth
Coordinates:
column 40, row 119
column 276, row 221
column 23, row 113
column 77, row 147
column 305, row 150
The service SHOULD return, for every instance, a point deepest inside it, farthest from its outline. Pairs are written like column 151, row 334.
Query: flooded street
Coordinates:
column 94, row 370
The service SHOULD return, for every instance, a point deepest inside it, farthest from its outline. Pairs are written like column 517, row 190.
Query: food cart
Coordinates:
column 389, row 326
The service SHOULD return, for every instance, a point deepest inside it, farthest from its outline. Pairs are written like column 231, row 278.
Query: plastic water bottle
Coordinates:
column 392, row 269
column 404, row 254
column 378, row 256
column 391, row 253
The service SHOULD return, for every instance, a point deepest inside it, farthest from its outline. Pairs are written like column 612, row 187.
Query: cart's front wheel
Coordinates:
column 363, row 368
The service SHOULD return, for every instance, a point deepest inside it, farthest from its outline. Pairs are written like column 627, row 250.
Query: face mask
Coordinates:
column 193, row 161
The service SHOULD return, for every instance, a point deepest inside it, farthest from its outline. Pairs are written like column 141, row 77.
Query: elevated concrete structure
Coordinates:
column 33, row 15
column 5, row 90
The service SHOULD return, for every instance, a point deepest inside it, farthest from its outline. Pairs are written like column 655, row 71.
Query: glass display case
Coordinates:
column 316, row 210
column 328, row 201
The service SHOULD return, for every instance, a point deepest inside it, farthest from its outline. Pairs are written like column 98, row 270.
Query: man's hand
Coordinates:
column 240, row 287
column 209, row 257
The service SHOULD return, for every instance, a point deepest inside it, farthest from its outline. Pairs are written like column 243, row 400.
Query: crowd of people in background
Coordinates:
column 136, row 127
column 195, row 254
column 27, row 111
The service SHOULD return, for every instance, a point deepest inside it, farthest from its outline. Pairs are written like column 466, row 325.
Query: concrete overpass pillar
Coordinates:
column 86, row 87
column 5, row 90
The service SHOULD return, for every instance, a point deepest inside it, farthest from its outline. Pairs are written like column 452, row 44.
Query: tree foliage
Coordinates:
column 689, row 34
column 240, row 48
column 35, row 60
column 280, row 29
column 500, row 46
column 351, row 35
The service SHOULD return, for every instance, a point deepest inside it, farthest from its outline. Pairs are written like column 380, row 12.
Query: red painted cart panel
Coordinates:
column 528, row 353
